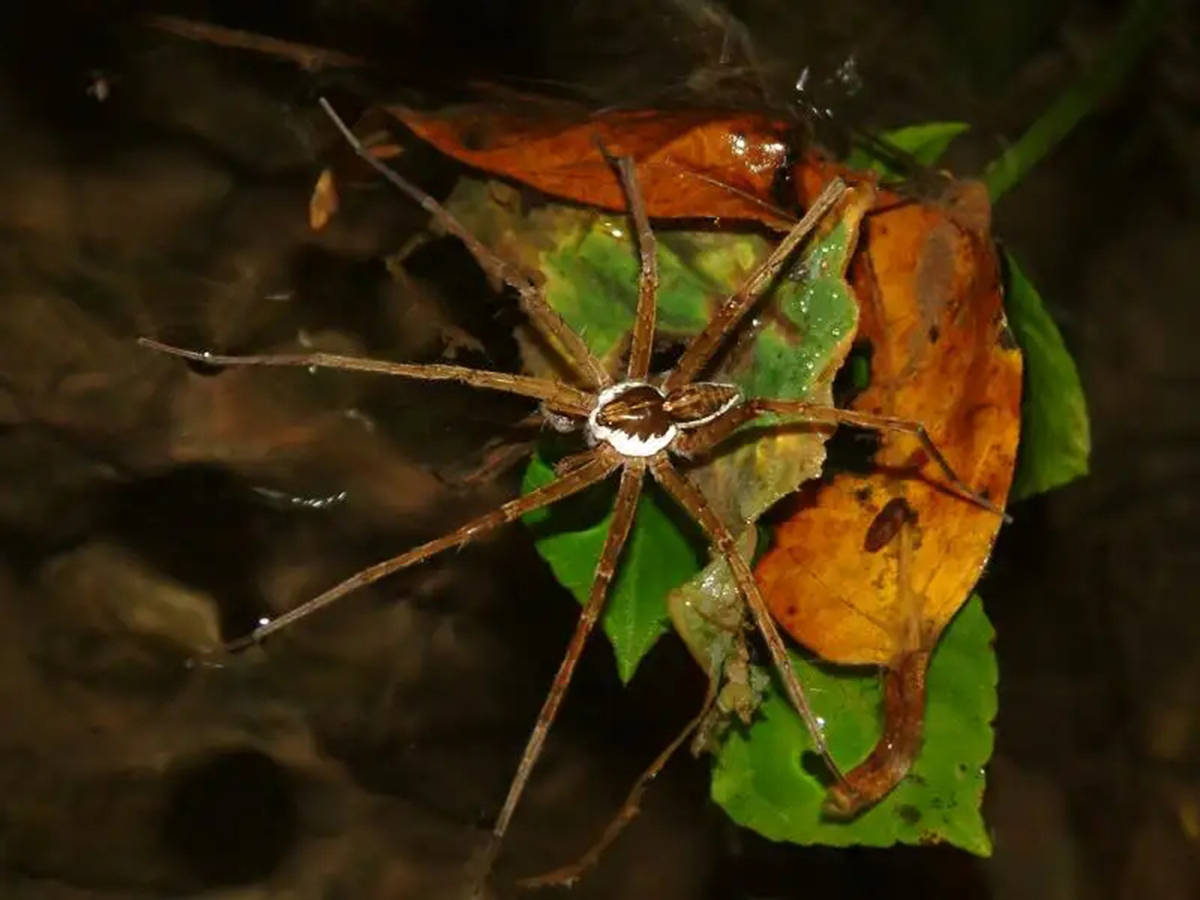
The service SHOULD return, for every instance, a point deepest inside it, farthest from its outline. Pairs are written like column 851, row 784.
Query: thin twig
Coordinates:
column 308, row 57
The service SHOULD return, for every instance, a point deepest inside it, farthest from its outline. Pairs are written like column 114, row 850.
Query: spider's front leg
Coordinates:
column 693, row 444
column 817, row 414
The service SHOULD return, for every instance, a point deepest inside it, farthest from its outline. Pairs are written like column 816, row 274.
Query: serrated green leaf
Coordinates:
column 1055, row 432
column 925, row 143
column 761, row 782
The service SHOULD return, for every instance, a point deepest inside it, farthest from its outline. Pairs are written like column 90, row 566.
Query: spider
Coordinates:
column 634, row 426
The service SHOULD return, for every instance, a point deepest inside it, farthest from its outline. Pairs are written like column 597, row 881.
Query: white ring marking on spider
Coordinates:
column 622, row 441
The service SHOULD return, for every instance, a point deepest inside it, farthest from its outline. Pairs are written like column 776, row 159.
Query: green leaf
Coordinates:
column 662, row 553
column 1055, row 434
column 590, row 268
column 925, row 143
column 762, row 783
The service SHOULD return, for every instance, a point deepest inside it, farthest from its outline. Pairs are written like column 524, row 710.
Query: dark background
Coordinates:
column 147, row 507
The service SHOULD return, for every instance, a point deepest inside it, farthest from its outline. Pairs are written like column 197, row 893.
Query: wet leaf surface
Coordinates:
column 942, row 355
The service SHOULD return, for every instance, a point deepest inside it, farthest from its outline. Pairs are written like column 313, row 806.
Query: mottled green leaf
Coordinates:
column 1055, row 433
column 762, row 782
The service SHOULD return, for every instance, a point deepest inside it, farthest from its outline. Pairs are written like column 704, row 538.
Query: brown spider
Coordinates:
column 632, row 426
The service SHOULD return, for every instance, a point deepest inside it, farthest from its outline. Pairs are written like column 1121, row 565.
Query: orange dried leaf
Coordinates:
column 689, row 163
column 928, row 286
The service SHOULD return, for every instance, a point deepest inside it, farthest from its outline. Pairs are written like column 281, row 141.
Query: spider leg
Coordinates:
column 818, row 414
column 577, row 354
column 567, row 875
column 581, row 477
column 642, row 342
column 571, row 462
column 705, row 344
column 623, row 513
column 694, row 503
column 560, row 397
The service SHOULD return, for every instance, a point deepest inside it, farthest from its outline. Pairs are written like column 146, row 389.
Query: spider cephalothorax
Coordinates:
column 638, row 419
column 632, row 426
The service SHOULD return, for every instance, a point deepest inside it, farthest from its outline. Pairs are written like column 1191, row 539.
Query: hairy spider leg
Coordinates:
column 581, row 360
column 700, row 351
column 583, row 476
column 567, row 875
column 630, row 490
column 693, row 501
column 832, row 415
column 561, row 398
column 641, row 344
column 693, row 444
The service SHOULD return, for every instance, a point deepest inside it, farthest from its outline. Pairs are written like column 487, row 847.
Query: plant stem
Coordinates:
column 1139, row 25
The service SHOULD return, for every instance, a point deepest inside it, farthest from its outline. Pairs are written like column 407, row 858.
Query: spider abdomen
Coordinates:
column 698, row 404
